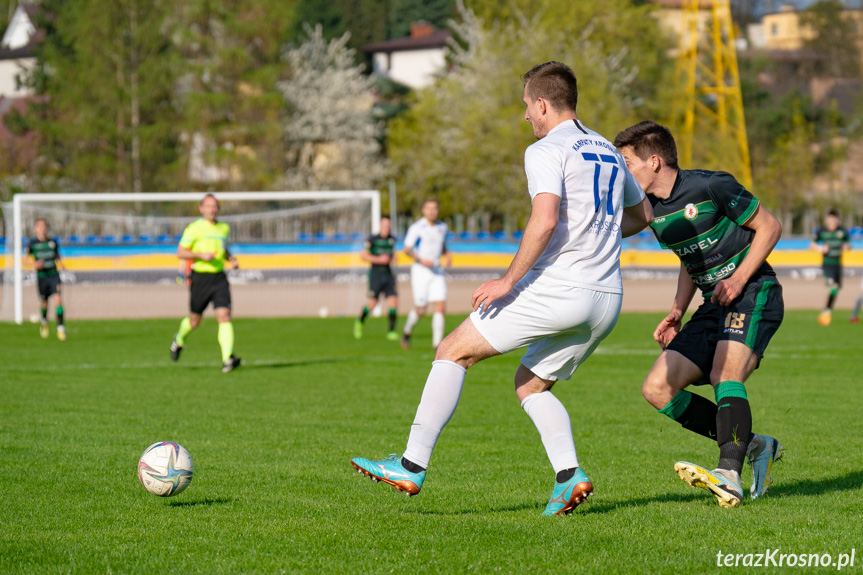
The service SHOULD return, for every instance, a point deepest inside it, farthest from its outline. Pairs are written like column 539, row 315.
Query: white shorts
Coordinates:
column 428, row 285
column 560, row 324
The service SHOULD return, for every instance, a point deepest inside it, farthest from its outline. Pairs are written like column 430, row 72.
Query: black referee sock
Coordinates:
column 693, row 412
column 392, row 320
column 733, row 424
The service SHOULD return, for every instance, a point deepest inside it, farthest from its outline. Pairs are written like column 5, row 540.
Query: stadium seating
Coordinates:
column 500, row 235
column 357, row 237
column 340, row 238
column 304, row 237
column 109, row 239
column 93, row 239
column 516, row 235
column 465, row 236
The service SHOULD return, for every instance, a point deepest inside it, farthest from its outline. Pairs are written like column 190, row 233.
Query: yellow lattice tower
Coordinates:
column 712, row 105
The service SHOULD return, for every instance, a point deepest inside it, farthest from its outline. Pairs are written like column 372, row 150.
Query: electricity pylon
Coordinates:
column 712, row 104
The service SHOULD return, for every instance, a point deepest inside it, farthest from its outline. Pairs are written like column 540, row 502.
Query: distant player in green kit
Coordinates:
column 831, row 241
column 722, row 235
column 205, row 242
column 45, row 254
column 379, row 251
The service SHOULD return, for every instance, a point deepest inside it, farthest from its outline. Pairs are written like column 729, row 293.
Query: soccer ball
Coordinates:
column 165, row 468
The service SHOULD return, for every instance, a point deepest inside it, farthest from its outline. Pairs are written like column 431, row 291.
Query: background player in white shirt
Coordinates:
column 425, row 242
column 560, row 296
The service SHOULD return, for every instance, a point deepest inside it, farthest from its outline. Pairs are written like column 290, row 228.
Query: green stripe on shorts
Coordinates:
column 760, row 302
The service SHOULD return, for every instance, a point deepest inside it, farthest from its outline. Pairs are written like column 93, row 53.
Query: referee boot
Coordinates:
column 232, row 364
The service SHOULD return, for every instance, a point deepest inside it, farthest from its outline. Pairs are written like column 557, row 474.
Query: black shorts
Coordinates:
column 209, row 287
column 833, row 275
column 49, row 285
column 751, row 319
column 381, row 282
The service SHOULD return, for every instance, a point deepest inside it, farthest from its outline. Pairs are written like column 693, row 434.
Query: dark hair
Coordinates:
column 833, row 213
column 647, row 139
column 208, row 196
column 554, row 82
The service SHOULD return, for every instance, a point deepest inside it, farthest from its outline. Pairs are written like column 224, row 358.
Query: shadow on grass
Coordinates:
column 809, row 487
column 255, row 365
column 201, row 502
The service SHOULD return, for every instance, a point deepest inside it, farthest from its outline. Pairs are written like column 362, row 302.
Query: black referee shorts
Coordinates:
column 751, row 319
column 209, row 287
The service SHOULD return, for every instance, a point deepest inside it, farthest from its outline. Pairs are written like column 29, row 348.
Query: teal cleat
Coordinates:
column 719, row 482
column 569, row 494
column 391, row 471
column 763, row 451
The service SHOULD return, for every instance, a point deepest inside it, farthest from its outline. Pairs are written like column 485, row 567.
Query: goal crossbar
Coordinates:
column 18, row 200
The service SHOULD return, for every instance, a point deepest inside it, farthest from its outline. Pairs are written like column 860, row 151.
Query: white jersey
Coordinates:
column 589, row 175
column 427, row 240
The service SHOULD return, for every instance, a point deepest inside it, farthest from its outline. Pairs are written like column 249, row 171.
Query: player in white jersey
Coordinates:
column 560, row 296
column 425, row 242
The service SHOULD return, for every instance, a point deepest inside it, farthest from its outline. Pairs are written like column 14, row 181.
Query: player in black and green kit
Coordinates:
column 45, row 254
column 205, row 242
column 722, row 235
column 831, row 241
column 379, row 251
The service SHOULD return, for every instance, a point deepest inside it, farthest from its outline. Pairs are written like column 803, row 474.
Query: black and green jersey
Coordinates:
column 377, row 245
column 47, row 252
column 702, row 222
column 834, row 241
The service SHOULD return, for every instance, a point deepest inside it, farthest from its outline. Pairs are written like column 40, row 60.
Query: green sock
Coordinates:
column 44, row 314
column 185, row 329
column 59, row 310
column 226, row 340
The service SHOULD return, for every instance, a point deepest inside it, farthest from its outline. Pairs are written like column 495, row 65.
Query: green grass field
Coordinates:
column 274, row 490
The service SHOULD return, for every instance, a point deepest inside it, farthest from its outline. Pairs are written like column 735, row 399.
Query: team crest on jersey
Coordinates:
column 690, row 212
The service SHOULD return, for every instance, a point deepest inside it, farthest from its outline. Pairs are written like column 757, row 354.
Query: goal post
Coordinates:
column 21, row 202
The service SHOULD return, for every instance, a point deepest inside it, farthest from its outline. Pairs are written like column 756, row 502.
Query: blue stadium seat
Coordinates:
column 109, row 239
column 856, row 232
column 145, row 238
column 450, row 236
column 127, row 239
column 177, row 238
column 304, row 237
column 516, row 235
column 500, row 235
column 340, row 238
column 164, row 238
column 73, row 239
column 644, row 234
column 465, row 236
column 322, row 237
column 357, row 237
column 92, row 239
column 483, row 236
column 3, row 240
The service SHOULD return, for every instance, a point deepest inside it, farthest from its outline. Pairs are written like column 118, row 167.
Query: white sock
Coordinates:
column 411, row 321
column 552, row 421
column 440, row 398
column 437, row 329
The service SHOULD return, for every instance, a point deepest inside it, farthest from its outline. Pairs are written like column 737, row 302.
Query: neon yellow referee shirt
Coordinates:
column 201, row 236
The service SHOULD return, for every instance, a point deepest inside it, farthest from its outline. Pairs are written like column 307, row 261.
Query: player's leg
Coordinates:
column 199, row 298
column 461, row 349
column 358, row 323
column 833, row 274
column 222, row 304
column 664, row 388
column 437, row 297
column 420, row 279
column 392, row 304
column 58, row 309
column 855, row 315
column 44, row 295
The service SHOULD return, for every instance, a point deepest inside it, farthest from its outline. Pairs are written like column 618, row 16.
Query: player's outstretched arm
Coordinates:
column 537, row 233
column 767, row 232
column 636, row 218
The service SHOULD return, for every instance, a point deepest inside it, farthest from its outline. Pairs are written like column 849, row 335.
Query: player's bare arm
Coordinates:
column 537, row 233
column 670, row 325
column 185, row 253
column 636, row 218
column 767, row 232
column 230, row 257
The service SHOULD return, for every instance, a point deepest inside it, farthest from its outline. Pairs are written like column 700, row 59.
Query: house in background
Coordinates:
column 18, row 50
column 413, row 61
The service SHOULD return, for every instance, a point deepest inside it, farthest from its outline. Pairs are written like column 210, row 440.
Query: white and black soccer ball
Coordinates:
column 165, row 468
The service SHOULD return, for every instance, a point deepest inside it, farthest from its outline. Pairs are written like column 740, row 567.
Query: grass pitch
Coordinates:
column 274, row 490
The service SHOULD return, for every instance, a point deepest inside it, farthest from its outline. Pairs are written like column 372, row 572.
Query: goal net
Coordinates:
column 298, row 252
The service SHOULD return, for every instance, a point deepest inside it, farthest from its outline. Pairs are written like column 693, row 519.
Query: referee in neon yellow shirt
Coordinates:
column 205, row 242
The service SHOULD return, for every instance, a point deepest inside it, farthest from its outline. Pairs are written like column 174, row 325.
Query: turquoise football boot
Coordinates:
column 569, row 494
column 391, row 471
column 763, row 451
column 720, row 483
